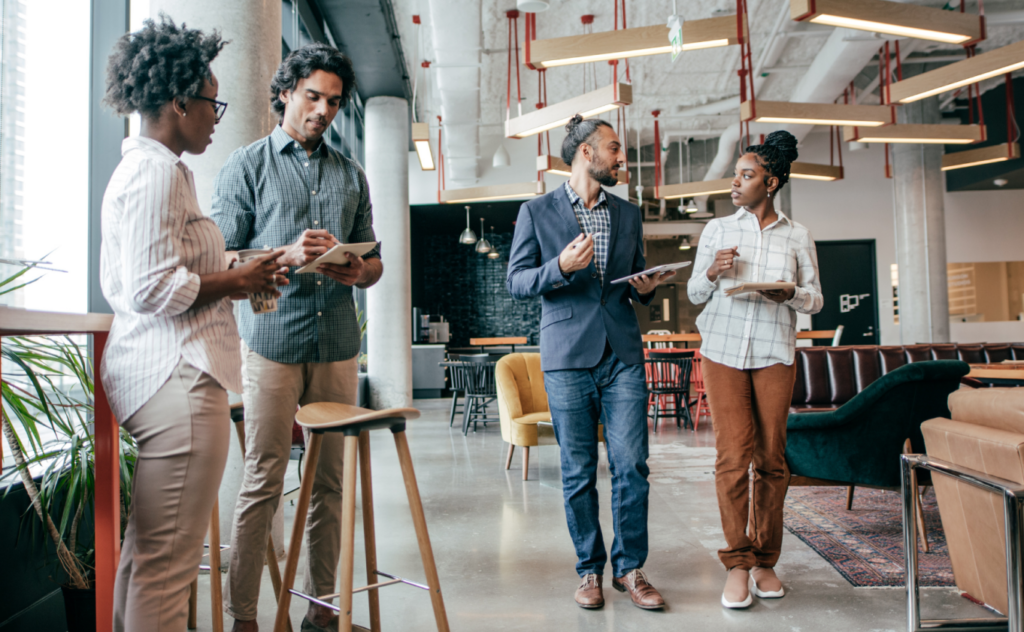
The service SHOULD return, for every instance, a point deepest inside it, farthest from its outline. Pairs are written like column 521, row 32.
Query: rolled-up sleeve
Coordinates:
column 152, row 229
column 699, row 288
column 807, row 297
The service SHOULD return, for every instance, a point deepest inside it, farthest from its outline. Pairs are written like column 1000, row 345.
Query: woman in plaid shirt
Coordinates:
column 748, row 349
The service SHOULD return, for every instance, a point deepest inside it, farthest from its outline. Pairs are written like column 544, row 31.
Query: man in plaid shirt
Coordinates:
column 292, row 189
column 569, row 246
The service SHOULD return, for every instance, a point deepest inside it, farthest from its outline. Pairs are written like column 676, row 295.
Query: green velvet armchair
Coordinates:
column 860, row 442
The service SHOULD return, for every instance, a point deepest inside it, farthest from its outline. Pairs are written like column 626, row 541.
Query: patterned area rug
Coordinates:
column 866, row 544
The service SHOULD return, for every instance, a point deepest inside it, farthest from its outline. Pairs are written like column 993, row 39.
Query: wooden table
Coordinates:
column 20, row 322
column 498, row 342
column 824, row 334
column 999, row 374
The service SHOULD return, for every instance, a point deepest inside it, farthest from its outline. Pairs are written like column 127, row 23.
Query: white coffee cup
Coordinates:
column 261, row 302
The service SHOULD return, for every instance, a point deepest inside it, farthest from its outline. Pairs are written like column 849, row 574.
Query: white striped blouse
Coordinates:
column 156, row 244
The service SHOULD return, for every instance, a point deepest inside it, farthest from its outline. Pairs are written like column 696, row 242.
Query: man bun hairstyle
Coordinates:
column 776, row 155
column 580, row 131
column 302, row 62
column 159, row 62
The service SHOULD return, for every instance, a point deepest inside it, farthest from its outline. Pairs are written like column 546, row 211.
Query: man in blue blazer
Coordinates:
column 569, row 245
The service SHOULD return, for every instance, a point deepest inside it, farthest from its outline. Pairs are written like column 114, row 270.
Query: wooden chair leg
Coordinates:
column 348, row 533
column 284, row 598
column 526, row 460
column 422, row 537
column 193, row 592
column 369, row 534
column 216, row 600
column 849, row 497
column 508, row 459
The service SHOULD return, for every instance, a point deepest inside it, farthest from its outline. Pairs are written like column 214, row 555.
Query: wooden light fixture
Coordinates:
column 493, row 192
column 814, row 171
column 816, row 113
column 421, row 140
column 917, row 133
column 695, row 189
column 891, row 18
column 980, row 156
column 625, row 43
column 973, row 70
column 557, row 166
column 604, row 99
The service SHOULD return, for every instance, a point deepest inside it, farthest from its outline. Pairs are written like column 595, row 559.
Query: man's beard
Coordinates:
column 602, row 175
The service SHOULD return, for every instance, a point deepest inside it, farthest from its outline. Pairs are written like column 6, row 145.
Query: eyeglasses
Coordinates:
column 219, row 107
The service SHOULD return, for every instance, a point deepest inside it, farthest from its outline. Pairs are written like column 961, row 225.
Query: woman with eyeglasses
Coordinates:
column 173, row 348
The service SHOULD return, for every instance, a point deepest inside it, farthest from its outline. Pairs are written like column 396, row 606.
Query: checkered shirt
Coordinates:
column 597, row 222
column 748, row 331
column 264, row 197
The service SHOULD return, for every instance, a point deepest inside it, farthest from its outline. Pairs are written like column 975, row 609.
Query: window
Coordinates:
column 44, row 149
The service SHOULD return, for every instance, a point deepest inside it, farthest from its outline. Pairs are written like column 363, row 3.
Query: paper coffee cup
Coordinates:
column 261, row 302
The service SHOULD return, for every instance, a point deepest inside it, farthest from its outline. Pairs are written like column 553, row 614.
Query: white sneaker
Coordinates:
column 765, row 594
column 737, row 605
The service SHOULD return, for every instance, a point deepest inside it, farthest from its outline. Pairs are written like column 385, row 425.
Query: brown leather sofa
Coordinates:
column 828, row 377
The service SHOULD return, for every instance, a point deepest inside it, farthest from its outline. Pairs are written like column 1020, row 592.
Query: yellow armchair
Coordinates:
column 522, row 404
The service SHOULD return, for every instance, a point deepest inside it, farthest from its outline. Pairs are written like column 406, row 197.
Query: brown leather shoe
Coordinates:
column 640, row 590
column 589, row 594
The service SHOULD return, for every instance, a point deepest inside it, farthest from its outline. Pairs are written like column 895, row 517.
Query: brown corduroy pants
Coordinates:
column 749, row 410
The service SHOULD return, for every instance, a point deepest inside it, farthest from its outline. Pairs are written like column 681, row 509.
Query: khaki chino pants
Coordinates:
column 271, row 393
column 749, row 409
column 182, row 433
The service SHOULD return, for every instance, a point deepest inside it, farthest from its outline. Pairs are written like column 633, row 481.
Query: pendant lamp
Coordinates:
column 501, row 157
column 532, row 6
column 468, row 237
column 493, row 254
column 691, row 207
column 685, row 243
column 483, row 246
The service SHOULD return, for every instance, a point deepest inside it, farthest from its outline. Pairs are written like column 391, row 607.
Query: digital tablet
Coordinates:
column 655, row 270
column 337, row 256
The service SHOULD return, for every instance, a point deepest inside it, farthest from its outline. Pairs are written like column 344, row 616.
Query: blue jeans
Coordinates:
column 615, row 394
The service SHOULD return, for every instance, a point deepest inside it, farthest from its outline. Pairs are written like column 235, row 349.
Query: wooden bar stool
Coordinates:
column 356, row 424
column 216, row 601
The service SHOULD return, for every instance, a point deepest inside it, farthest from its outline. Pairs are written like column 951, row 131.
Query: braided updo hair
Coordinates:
column 579, row 132
column 776, row 155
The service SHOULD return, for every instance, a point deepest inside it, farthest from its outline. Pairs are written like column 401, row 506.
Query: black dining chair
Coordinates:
column 668, row 379
column 481, row 390
column 457, row 385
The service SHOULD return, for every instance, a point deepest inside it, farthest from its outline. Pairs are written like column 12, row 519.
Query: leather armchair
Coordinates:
column 985, row 433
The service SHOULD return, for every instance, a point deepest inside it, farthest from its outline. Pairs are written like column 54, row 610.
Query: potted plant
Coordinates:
column 46, row 419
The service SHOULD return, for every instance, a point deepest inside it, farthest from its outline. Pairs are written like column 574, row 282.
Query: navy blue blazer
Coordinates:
column 579, row 312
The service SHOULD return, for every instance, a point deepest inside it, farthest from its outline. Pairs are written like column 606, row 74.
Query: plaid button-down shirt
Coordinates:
column 264, row 197
column 597, row 222
column 748, row 331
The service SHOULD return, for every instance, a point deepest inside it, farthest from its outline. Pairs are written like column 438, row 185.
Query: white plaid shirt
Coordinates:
column 597, row 222
column 748, row 331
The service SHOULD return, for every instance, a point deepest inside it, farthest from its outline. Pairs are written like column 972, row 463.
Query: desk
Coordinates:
column 20, row 322
column 998, row 374
column 498, row 342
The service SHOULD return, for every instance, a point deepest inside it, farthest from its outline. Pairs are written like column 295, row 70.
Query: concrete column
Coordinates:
column 920, row 232
column 389, row 303
column 243, row 69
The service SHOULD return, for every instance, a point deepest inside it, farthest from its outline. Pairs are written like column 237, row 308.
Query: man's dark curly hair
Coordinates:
column 776, row 155
column 301, row 63
column 159, row 62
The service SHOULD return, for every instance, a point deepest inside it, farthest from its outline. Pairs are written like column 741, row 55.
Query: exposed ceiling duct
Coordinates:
column 455, row 31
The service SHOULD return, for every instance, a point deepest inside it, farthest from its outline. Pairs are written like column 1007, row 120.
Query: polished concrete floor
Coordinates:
column 506, row 561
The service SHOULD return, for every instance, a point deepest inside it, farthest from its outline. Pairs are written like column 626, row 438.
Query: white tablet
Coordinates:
column 655, row 270
column 337, row 256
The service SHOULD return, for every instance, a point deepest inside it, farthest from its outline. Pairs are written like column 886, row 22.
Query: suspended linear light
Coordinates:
column 978, row 68
column 501, row 157
column 602, row 100
column 928, row 134
column 483, row 246
column 468, row 237
column 519, row 190
column 813, row 171
column 556, row 166
column 891, row 18
column 421, row 140
column 980, row 156
column 625, row 43
column 816, row 113
column 694, row 189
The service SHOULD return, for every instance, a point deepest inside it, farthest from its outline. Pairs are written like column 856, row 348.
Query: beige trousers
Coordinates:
column 183, row 434
column 271, row 393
